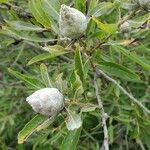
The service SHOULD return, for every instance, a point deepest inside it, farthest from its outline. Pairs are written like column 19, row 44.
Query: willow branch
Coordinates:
column 104, row 115
column 134, row 100
column 141, row 144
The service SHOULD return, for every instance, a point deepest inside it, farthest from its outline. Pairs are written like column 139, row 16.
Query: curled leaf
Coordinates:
column 73, row 121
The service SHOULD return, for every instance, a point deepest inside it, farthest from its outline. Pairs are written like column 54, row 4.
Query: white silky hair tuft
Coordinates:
column 46, row 101
column 72, row 22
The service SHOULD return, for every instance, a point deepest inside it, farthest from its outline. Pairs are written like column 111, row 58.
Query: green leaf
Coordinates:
column 71, row 140
column 108, row 28
column 87, row 66
column 55, row 49
column 61, row 84
column 80, row 5
column 4, row 1
column 40, row 57
column 133, row 56
column 45, row 76
column 102, row 8
column 111, row 134
column 135, row 132
column 46, row 56
column 52, row 7
column 24, row 35
column 118, row 71
column 46, row 123
column 29, row 80
column 79, row 64
column 73, row 121
column 76, row 84
column 30, row 128
column 92, row 5
column 88, row 108
column 38, row 12
column 24, row 26
column 138, row 21
column 128, row 5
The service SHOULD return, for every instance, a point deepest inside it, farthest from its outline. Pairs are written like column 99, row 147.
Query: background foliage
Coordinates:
column 32, row 56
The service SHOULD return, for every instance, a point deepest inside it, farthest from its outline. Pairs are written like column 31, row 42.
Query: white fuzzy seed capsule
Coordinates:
column 125, row 27
column 72, row 22
column 46, row 101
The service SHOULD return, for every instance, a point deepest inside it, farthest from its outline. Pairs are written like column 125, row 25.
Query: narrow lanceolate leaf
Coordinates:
column 139, row 21
column 118, row 71
column 45, row 75
column 46, row 123
column 30, row 128
column 76, row 85
column 80, row 5
column 107, row 28
column 45, row 56
column 102, row 8
column 79, row 64
column 133, row 56
column 71, row 140
column 54, row 49
column 88, row 108
column 24, row 35
column 29, row 80
column 61, row 84
column 111, row 133
column 38, row 12
column 73, row 121
column 24, row 26
column 52, row 7
column 92, row 5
